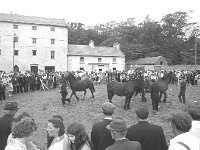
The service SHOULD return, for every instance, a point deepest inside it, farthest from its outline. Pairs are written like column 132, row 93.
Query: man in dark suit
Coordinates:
column 150, row 136
column 100, row 135
column 181, row 94
column 155, row 96
column 6, row 123
column 118, row 129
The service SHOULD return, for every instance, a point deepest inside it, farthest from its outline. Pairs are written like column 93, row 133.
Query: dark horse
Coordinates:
column 163, row 84
column 79, row 85
column 126, row 89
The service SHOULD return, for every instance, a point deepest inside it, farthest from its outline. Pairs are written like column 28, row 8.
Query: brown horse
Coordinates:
column 126, row 89
column 163, row 84
column 79, row 85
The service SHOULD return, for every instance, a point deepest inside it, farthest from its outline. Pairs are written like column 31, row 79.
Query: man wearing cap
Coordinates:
column 6, row 122
column 100, row 135
column 118, row 129
column 150, row 136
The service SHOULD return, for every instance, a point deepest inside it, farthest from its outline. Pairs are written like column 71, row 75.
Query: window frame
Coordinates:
column 52, row 54
column 33, row 52
column 99, row 59
column 34, row 40
column 34, row 27
column 52, row 41
column 15, row 26
column 16, row 39
column 16, row 52
column 82, row 59
column 52, row 29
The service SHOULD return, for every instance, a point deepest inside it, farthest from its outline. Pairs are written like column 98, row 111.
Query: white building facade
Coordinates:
column 32, row 43
column 92, row 58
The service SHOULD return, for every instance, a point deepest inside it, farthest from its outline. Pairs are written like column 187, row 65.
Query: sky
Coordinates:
column 92, row 12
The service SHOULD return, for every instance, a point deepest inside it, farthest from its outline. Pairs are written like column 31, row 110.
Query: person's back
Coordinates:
column 150, row 136
column 100, row 136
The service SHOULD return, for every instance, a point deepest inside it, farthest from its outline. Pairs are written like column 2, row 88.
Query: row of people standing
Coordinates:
column 109, row 134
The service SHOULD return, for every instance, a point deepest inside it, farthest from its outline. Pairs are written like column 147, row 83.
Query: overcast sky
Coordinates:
column 92, row 12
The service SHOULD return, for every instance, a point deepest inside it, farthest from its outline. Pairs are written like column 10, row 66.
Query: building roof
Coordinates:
column 145, row 61
column 86, row 50
column 15, row 18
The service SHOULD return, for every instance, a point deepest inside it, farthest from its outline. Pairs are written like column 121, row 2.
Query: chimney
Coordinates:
column 117, row 46
column 91, row 44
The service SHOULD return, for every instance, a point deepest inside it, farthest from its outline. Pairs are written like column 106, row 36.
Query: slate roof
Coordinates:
column 86, row 50
column 15, row 18
column 145, row 61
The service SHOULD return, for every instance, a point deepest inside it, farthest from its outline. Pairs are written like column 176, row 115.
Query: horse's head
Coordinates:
column 171, row 76
column 70, row 76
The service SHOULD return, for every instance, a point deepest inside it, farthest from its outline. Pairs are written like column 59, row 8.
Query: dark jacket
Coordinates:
column 100, row 136
column 155, row 91
column 5, row 129
column 150, row 136
column 125, row 144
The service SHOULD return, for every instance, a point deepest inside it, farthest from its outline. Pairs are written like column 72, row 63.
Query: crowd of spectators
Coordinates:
column 112, row 133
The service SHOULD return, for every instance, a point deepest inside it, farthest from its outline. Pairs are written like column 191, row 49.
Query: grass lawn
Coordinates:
column 42, row 105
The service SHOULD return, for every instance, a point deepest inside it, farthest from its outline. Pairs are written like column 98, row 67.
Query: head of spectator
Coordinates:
column 58, row 117
column 194, row 112
column 142, row 112
column 118, row 128
column 77, row 135
column 24, row 130
column 11, row 107
column 55, row 127
column 181, row 122
column 108, row 109
column 20, row 117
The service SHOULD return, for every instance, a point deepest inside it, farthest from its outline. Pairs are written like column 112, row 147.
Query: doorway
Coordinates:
column 34, row 69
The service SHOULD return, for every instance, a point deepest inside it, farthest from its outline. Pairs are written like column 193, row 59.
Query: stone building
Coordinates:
column 93, row 58
column 32, row 43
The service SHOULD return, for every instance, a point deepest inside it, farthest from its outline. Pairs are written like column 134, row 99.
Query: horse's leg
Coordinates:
column 110, row 96
column 129, row 100
column 92, row 93
column 84, row 94
column 165, row 98
column 160, row 96
column 126, row 102
column 76, row 95
column 143, row 96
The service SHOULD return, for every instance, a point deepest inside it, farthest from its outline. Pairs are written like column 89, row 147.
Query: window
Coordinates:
column 99, row 59
column 34, row 52
column 52, row 29
column 114, row 69
column 161, row 63
column 15, row 26
column 0, row 51
column 52, row 41
column 33, row 40
column 16, row 52
column 52, row 54
column 81, row 68
column 114, row 60
column 34, row 27
column 16, row 39
column 81, row 59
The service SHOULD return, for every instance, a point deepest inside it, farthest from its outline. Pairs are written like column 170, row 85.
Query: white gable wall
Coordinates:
column 91, row 63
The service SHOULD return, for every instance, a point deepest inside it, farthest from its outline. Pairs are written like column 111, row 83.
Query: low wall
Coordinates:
column 181, row 67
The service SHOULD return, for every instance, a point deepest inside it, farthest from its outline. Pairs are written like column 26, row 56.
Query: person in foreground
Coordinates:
column 22, row 133
column 118, row 129
column 78, row 137
column 189, row 140
column 181, row 123
column 29, row 144
column 100, row 136
column 56, row 129
column 6, row 122
column 150, row 136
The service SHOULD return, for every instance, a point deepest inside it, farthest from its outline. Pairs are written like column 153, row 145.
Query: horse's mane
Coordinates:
column 166, row 76
column 71, row 75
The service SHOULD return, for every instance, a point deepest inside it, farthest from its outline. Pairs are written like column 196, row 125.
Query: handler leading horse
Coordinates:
column 126, row 89
column 79, row 85
column 163, row 84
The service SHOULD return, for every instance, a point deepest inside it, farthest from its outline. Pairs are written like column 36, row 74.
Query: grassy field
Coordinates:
column 42, row 105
